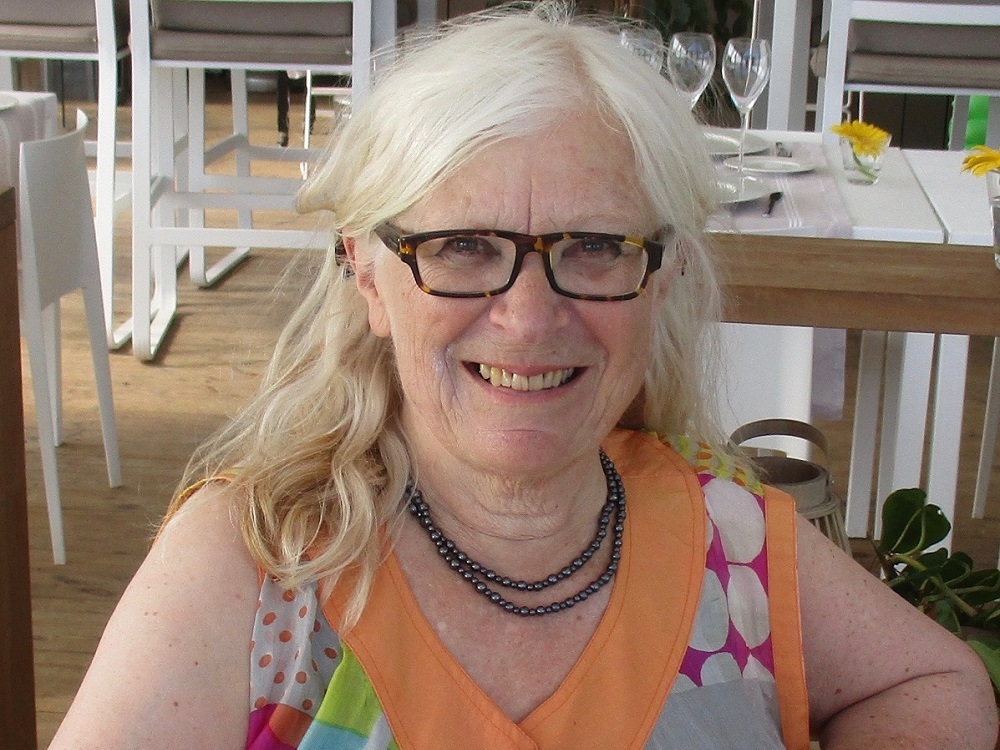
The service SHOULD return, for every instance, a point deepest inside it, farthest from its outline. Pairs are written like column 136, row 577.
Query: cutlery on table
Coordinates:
column 780, row 149
column 772, row 200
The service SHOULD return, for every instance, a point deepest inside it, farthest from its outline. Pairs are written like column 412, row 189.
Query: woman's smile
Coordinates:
column 503, row 378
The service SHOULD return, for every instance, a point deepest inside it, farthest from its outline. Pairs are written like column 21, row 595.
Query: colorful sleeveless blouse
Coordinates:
column 699, row 648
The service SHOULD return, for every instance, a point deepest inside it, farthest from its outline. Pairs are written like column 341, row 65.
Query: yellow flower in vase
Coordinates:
column 985, row 162
column 867, row 144
column 983, row 159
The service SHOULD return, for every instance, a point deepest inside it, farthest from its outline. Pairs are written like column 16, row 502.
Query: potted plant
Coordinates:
column 943, row 585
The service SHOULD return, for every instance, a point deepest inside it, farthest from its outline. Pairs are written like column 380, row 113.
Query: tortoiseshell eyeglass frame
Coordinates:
column 405, row 245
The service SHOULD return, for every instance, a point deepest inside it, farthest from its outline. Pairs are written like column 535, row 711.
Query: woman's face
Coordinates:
column 578, row 175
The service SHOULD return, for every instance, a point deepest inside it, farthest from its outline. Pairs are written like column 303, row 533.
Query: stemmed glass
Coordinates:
column 646, row 42
column 691, row 63
column 746, row 67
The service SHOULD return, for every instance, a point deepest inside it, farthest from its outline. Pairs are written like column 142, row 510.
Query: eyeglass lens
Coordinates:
column 588, row 265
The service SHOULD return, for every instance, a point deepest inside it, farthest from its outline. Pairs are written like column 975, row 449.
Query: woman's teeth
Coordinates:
column 513, row 380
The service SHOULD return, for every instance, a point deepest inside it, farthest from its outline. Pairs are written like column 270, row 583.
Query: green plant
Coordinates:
column 943, row 585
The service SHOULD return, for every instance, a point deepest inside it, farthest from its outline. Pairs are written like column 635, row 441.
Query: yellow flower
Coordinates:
column 865, row 139
column 984, row 160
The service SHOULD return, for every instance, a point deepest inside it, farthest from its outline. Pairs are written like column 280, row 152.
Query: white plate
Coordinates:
column 720, row 142
column 770, row 164
column 733, row 189
column 7, row 101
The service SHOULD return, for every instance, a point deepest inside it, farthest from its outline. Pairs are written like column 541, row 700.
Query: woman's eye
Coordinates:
column 594, row 247
column 478, row 246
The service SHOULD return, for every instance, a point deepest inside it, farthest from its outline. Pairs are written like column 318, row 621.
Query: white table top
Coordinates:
column 959, row 198
column 893, row 209
column 24, row 116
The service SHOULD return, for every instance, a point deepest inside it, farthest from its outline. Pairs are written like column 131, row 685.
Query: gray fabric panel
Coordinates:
column 37, row 38
column 926, row 40
column 299, row 19
column 44, row 12
column 281, row 51
column 921, row 39
column 924, row 71
column 728, row 716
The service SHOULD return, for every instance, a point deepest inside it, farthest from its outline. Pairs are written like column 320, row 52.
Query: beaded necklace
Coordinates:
column 482, row 578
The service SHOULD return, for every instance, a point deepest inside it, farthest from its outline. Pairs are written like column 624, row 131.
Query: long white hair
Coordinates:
column 318, row 452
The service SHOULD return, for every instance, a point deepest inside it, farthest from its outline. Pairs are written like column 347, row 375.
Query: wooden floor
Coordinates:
column 221, row 340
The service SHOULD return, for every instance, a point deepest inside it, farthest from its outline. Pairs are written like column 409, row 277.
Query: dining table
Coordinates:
column 890, row 275
column 23, row 116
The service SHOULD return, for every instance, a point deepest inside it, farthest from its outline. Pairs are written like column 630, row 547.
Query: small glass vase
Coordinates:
column 993, row 192
column 862, row 169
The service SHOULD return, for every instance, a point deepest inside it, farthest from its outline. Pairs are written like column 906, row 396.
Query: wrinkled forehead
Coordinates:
column 577, row 174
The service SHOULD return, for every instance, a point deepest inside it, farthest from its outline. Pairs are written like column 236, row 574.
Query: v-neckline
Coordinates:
column 626, row 669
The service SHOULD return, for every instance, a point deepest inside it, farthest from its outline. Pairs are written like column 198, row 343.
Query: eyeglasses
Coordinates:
column 486, row 262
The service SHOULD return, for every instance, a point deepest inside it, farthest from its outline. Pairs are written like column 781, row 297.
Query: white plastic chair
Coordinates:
column 58, row 255
column 170, row 51
column 88, row 30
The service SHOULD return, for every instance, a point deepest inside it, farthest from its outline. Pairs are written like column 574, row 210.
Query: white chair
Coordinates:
column 58, row 254
column 94, row 31
column 171, row 48
column 912, row 47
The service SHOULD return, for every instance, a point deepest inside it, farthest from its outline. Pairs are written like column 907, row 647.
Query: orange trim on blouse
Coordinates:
column 786, row 625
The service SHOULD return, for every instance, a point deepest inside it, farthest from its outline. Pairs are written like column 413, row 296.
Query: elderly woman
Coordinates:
column 479, row 500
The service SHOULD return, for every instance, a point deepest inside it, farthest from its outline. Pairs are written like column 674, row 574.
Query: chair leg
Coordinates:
column 959, row 122
column 53, row 359
column 991, row 420
column 102, row 380
column 35, row 334
column 154, row 271
column 202, row 275
column 104, row 223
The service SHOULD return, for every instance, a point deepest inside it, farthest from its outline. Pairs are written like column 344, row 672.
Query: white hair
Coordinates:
column 319, row 452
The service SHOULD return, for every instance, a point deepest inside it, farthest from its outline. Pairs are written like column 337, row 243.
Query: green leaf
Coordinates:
column 946, row 616
column 953, row 570
column 909, row 524
column 990, row 658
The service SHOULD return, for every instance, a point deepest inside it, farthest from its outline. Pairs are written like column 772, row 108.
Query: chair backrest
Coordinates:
column 61, row 26
column 910, row 46
column 257, row 17
column 56, row 220
column 280, row 34
column 332, row 36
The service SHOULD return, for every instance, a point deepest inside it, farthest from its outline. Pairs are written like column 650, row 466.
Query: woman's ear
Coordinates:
column 364, row 278
column 669, row 272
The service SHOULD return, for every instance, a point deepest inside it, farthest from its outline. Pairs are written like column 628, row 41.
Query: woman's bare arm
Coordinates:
column 880, row 673
column 172, row 668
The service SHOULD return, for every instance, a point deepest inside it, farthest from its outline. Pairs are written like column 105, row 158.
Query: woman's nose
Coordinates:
column 531, row 303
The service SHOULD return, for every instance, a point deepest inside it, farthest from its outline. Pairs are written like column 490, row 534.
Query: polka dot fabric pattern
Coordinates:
column 731, row 639
column 293, row 655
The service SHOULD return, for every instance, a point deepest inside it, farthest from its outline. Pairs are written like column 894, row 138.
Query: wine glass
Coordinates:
column 746, row 67
column 691, row 63
column 644, row 41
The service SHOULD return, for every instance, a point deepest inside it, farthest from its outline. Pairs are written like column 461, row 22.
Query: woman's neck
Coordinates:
column 521, row 528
